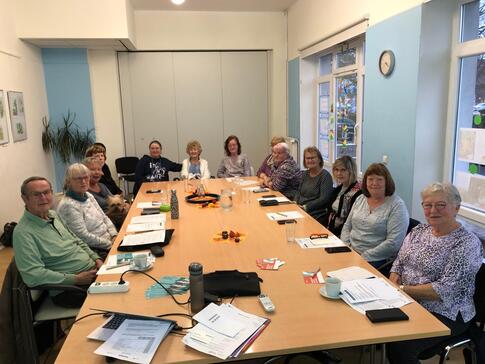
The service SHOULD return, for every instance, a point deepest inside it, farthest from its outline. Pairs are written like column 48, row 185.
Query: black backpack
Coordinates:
column 6, row 238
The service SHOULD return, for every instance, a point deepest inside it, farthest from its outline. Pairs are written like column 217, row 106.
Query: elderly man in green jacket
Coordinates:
column 46, row 252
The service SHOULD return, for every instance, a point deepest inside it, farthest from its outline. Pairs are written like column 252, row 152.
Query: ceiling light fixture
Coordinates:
column 178, row 2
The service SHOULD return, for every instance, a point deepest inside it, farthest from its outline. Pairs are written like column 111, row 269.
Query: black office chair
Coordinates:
column 125, row 167
column 474, row 338
column 385, row 269
column 26, row 308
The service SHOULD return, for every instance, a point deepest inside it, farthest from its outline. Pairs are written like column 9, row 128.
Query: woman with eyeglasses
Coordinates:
column 377, row 224
column 344, row 195
column 436, row 266
column 316, row 185
column 82, row 214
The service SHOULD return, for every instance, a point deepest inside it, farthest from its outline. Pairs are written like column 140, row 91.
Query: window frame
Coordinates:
column 359, row 69
column 459, row 50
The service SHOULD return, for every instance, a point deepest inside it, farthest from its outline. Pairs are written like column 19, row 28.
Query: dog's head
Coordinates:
column 115, row 203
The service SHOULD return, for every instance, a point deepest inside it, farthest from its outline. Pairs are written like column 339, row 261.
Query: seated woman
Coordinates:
column 266, row 167
column 377, row 224
column 153, row 167
column 234, row 164
column 316, row 185
column 194, row 166
column 114, row 206
column 344, row 195
column 436, row 266
column 98, row 150
column 82, row 214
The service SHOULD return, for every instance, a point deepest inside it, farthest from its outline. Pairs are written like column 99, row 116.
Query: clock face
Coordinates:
column 386, row 62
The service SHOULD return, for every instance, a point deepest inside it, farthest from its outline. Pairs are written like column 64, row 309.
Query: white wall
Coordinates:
column 312, row 20
column 21, row 70
column 176, row 30
column 108, row 122
column 74, row 19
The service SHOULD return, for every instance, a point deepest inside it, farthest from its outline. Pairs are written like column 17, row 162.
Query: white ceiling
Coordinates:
column 214, row 5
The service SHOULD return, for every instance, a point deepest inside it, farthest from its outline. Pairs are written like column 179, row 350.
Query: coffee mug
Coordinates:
column 332, row 286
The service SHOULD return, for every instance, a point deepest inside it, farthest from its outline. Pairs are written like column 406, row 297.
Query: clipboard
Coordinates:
column 134, row 248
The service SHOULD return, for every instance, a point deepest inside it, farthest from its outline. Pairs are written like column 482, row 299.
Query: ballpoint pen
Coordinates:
column 281, row 214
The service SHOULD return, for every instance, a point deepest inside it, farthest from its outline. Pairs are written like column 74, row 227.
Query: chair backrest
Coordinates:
column 479, row 296
column 412, row 224
column 126, row 165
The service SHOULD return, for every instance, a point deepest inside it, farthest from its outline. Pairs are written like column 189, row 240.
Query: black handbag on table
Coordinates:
column 231, row 283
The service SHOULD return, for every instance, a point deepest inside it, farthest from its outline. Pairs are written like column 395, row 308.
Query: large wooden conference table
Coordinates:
column 303, row 320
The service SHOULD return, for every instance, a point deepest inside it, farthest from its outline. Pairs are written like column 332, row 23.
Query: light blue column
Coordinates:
column 68, row 87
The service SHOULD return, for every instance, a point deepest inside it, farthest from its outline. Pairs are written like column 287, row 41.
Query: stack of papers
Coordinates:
column 372, row 294
column 284, row 215
column 351, row 273
column 224, row 331
column 135, row 340
column 146, row 223
column 144, row 238
column 331, row 241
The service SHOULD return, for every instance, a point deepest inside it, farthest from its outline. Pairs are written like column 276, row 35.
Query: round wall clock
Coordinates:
column 386, row 62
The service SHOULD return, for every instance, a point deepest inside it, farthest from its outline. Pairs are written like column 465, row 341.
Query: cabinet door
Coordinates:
column 197, row 80
column 245, row 101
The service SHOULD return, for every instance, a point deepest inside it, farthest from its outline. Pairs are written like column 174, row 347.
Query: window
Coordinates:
column 339, row 97
column 468, row 161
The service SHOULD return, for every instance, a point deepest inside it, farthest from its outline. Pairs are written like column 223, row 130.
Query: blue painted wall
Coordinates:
column 390, row 104
column 68, row 86
column 294, row 98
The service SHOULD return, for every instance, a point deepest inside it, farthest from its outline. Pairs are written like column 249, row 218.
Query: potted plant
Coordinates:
column 67, row 140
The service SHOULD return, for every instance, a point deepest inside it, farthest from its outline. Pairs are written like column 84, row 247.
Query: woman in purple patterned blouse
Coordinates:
column 436, row 266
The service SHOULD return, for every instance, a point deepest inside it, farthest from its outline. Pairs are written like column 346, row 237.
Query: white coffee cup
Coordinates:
column 140, row 261
column 332, row 286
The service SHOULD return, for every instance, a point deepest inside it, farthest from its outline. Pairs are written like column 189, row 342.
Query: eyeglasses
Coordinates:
column 38, row 194
column 79, row 179
column 318, row 236
column 437, row 205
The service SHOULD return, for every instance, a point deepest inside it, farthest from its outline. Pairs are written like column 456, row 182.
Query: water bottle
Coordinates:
column 196, row 287
column 174, row 205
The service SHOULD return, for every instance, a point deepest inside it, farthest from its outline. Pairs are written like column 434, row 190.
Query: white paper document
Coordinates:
column 135, row 340
column 144, row 238
column 149, row 226
column 279, row 199
column 147, row 205
column 145, row 219
column 331, row 241
column 372, row 294
column 211, row 342
column 217, row 319
column 284, row 215
column 252, row 188
column 351, row 273
column 241, row 182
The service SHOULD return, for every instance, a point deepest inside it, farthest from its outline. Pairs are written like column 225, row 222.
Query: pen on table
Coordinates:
column 281, row 214
column 316, row 272
column 349, row 294
column 118, row 265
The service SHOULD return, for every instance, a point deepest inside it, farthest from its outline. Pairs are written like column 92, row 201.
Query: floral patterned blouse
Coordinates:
column 450, row 263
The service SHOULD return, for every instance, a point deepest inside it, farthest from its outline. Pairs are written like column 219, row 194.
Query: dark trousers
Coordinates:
column 70, row 299
column 408, row 352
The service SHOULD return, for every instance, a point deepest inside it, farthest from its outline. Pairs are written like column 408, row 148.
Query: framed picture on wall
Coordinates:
column 3, row 120
column 17, row 115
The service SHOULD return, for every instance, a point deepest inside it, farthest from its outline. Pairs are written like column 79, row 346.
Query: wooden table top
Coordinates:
column 303, row 320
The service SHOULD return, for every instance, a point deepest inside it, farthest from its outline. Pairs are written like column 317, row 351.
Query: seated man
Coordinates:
column 46, row 252
column 285, row 174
